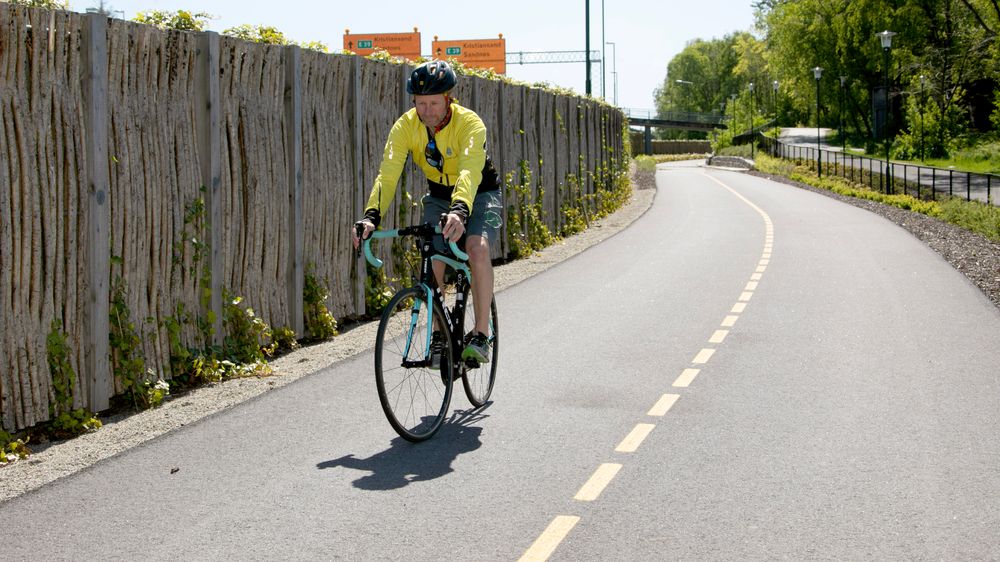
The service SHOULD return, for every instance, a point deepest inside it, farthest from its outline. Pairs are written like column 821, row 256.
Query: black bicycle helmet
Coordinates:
column 432, row 77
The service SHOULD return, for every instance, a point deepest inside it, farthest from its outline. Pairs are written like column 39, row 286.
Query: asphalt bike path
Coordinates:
column 749, row 371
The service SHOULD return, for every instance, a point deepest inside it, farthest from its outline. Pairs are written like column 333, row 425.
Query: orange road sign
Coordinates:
column 405, row 45
column 478, row 53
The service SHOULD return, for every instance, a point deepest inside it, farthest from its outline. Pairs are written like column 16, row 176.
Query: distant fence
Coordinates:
column 170, row 167
column 669, row 146
column 921, row 181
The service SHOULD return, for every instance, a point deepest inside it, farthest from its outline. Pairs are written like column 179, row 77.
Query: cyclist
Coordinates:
column 448, row 143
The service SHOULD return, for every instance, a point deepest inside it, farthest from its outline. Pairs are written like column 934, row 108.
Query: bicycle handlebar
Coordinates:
column 413, row 230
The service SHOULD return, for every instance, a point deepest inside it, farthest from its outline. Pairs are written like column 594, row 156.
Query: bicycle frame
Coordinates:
column 429, row 284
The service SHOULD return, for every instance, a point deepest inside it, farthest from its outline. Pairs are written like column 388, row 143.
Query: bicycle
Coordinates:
column 414, row 396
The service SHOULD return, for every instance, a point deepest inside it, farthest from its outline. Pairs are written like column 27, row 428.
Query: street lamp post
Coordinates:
column 774, row 98
column 732, row 100
column 818, row 73
column 752, row 139
column 923, row 81
column 683, row 83
column 843, row 134
column 614, row 69
column 586, row 18
column 886, row 39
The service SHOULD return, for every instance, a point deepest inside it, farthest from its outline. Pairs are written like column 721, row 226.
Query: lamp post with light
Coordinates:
column 886, row 39
column 752, row 139
column 817, row 74
column 774, row 98
column 614, row 70
column 843, row 135
column 923, row 82
column 732, row 102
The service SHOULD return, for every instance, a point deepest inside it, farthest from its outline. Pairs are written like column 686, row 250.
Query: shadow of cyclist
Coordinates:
column 404, row 462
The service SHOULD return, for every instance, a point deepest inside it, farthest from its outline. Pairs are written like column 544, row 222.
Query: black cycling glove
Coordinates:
column 461, row 209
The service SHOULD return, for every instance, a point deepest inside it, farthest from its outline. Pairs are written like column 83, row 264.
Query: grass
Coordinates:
column 971, row 215
column 983, row 158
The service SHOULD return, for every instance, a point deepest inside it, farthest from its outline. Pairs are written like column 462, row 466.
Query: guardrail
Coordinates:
column 680, row 116
column 910, row 179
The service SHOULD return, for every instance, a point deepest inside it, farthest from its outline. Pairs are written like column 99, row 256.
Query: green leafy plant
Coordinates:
column 320, row 323
column 248, row 338
column 127, row 362
column 154, row 392
column 265, row 34
column 72, row 423
column 526, row 230
column 45, row 4
column 377, row 290
column 63, row 376
column 181, row 20
column 284, row 339
column 12, row 448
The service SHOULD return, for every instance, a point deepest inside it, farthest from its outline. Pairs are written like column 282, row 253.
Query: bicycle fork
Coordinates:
column 432, row 296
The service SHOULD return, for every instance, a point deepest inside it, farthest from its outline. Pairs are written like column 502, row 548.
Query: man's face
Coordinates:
column 431, row 109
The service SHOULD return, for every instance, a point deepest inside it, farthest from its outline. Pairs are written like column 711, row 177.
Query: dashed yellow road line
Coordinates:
column 635, row 438
column 600, row 480
column 664, row 404
column 560, row 527
column 549, row 540
column 719, row 336
column 686, row 378
column 703, row 356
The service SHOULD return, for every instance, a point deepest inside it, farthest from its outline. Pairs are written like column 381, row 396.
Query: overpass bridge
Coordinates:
column 686, row 120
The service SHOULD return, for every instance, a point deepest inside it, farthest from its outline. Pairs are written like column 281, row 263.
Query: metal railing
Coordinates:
column 680, row 116
column 925, row 182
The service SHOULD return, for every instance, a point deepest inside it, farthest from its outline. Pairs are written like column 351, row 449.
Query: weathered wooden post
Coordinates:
column 295, row 273
column 97, row 367
column 359, row 189
column 208, row 113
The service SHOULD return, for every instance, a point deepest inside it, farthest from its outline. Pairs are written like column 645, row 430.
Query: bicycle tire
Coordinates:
column 415, row 398
column 478, row 381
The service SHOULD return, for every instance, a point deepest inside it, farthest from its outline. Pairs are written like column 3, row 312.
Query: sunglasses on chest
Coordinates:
column 432, row 154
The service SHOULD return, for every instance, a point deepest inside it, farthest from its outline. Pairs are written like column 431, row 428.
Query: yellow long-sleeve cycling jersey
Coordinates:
column 462, row 146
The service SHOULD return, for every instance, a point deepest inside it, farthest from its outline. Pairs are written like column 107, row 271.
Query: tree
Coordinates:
column 45, row 4
column 180, row 20
column 705, row 69
column 258, row 34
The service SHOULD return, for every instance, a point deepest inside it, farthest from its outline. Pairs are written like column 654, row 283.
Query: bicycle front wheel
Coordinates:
column 415, row 396
column 479, row 378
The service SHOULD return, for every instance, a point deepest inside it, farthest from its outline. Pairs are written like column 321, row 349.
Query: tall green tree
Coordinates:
column 706, row 73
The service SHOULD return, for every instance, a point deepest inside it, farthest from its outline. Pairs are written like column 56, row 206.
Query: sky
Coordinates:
column 646, row 34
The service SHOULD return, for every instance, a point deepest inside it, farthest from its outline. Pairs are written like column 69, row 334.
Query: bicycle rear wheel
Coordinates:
column 414, row 397
column 479, row 378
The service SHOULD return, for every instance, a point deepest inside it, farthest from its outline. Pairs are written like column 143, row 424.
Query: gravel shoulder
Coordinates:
column 51, row 461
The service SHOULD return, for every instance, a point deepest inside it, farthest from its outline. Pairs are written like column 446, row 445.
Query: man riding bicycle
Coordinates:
column 448, row 143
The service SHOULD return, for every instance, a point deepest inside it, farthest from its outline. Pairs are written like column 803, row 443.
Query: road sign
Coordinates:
column 477, row 53
column 406, row 45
